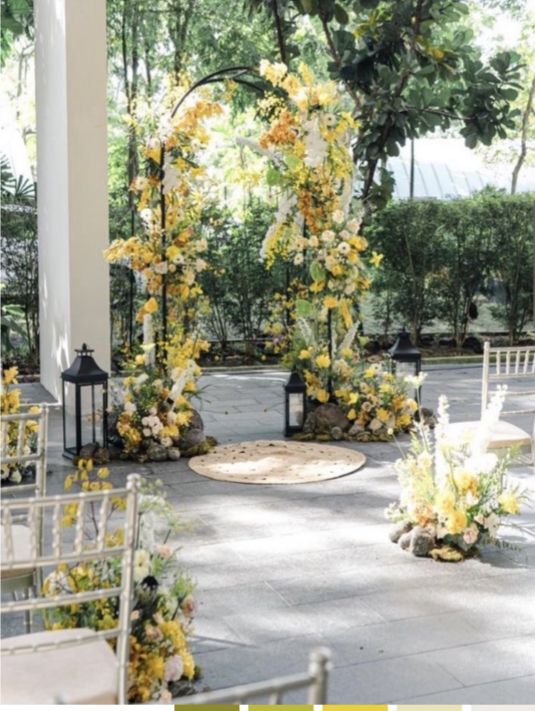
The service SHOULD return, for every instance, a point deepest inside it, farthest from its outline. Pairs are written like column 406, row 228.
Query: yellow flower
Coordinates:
column 376, row 258
column 456, row 522
column 330, row 302
column 383, row 415
column 10, row 375
column 103, row 473
column 509, row 502
column 352, row 415
column 304, row 354
column 445, row 502
column 323, row 361
column 464, row 480
column 151, row 306
column 322, row 395
column 139, row 359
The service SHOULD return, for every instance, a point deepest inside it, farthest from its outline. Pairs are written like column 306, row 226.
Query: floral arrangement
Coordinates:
column 161, row 665
column 10, row 405
column 316, row 323
column 154, row 406
column 153, row 403
column 454, row 494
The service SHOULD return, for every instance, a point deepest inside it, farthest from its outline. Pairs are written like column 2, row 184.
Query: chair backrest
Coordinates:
column 15, row 434
column 314, row 680
column 76, row 550
column 502, row 364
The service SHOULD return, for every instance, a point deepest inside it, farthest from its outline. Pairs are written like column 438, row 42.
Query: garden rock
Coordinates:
column 336, row 433
column 173, row 453
column 398, row 530
column 421, row 542
column 88, row 451
column 405, row 540
column 156, row 452
column 193, row 437
column 328, row 416
column 310, row 423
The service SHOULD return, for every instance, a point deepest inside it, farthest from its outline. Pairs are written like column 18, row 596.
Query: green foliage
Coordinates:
column 438, row 255
column 20, row 292
column 16, row 20
column 411, row 68
column 239, row 286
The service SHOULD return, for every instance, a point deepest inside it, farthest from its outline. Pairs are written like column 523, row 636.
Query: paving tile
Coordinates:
column 520, row 690
column 387, row 681
column 488, row 661
column 401, row 638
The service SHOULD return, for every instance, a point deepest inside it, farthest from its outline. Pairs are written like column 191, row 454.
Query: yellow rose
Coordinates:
column 322, row 395
column 304, row 354
column 330, row 302
column 323, row 361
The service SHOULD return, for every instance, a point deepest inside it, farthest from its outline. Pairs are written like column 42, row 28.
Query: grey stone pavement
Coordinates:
column 283, row 569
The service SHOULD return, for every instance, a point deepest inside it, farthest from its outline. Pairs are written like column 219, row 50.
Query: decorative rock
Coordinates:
column 157, row 452
column 101, row 455
column 310, row 423
column 173, row 453
column 398, row 530
column 355, row 430
column 422, row 542
column 328, row 416
column 88, row 451
column 196, row 422
column 336, row 433
column 192, row 438
column 405, row 540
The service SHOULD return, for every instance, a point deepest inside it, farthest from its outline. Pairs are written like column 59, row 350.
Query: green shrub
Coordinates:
column 438, row 255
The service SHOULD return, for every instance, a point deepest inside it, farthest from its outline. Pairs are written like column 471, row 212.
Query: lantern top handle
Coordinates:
column 84, row 350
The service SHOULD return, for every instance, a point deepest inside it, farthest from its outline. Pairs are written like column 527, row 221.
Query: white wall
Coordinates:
column 72, row 183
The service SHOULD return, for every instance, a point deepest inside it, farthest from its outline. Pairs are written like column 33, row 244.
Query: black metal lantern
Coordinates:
column 406, row 358
column 294, row 404
column 90, row 404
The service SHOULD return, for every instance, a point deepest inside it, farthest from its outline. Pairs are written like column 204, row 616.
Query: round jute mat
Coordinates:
column 277, row 462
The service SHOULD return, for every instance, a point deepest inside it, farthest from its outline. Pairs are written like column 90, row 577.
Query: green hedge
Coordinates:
column 438, row 254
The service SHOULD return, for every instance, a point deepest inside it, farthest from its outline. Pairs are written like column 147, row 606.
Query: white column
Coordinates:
column 72, row 205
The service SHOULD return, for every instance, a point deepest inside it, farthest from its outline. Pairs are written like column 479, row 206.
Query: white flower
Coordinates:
column 313, row 241
column 315, row 145
column 492, row 523
column 415, row 381
column 353, row 225
column 327, row 236
column 160, row 268
column 200, row 265
column 147, row 432
column 141, row 379
column 141, row 564
column 130, row 407
column 174, row 668
column 338, row 216
column 166, row 441
column 298, row 259
column 343, row 248
column 16, row 476
column 201, row 245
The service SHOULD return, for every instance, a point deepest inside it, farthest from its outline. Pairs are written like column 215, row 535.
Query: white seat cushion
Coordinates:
column 22, row 550
column 81, row 674
column 503, row 434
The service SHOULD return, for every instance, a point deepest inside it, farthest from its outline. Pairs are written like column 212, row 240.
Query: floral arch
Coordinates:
column 306, row 143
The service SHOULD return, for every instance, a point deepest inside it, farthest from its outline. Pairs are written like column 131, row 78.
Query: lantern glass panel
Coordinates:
column 69, row 418
column 403, row 369
column 91, row 410
column 295, row 410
